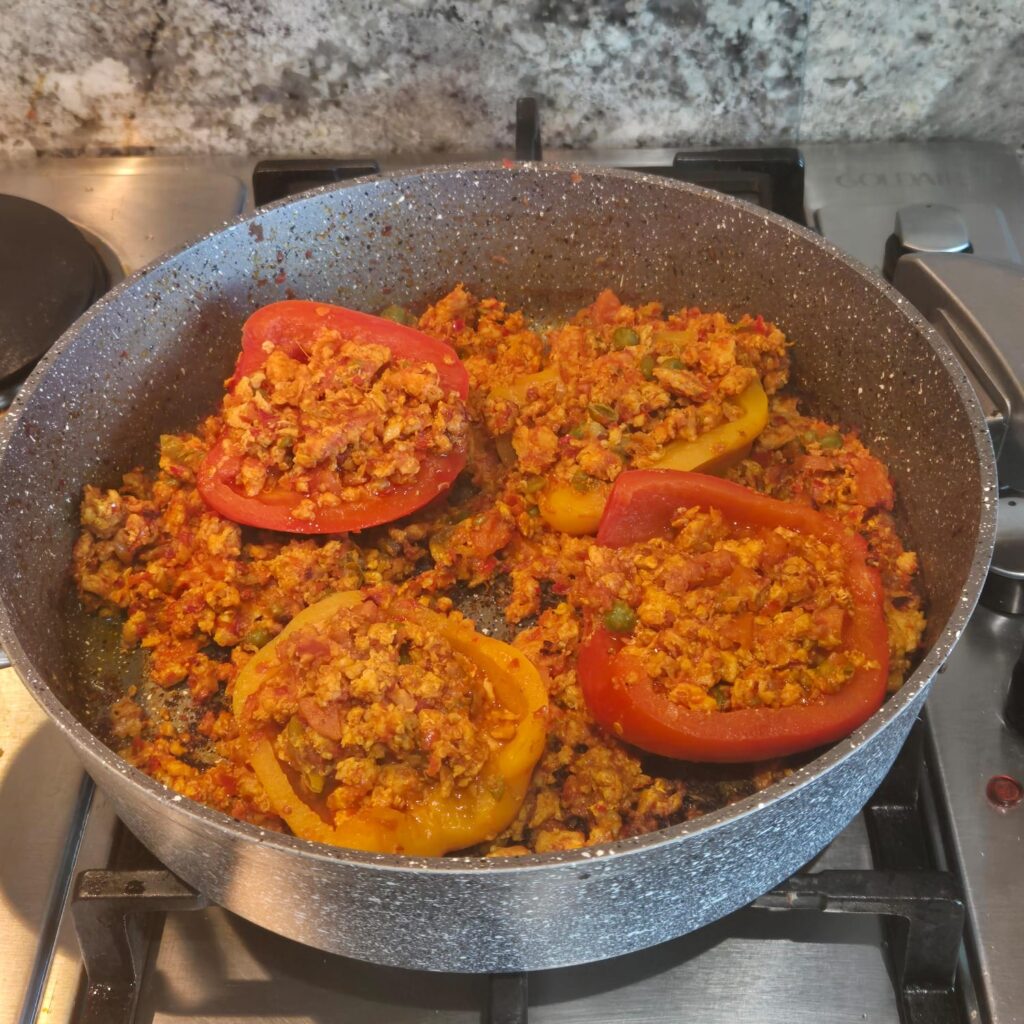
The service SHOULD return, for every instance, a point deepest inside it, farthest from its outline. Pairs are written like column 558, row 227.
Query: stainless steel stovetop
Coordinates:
column 751, row 966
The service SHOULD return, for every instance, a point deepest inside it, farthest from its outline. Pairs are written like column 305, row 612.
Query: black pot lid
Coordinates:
column 49, row 275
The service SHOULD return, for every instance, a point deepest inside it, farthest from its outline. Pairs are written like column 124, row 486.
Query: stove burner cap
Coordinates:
column 49, row 275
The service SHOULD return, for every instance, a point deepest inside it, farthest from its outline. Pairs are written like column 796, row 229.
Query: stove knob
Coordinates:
column 925, row 227
column 1004, row 587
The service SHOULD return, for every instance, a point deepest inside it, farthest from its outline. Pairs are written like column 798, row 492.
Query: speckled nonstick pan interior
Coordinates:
column 151, row 357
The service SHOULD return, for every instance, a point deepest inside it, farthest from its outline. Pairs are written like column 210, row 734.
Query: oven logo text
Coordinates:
column 876, row 179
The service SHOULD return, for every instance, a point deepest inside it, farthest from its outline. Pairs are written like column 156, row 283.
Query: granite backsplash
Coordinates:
column 280, row 76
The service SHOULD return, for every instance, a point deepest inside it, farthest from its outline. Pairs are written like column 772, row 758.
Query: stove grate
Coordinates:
column 769, row 177
column 114, row 916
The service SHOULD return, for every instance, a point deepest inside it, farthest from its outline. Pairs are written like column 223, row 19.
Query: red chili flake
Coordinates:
column 759, row 325
column 508, row 164
column 279, row 278
column 385, row 231
column 575, row 177
column 458, row 325
column 280, row 256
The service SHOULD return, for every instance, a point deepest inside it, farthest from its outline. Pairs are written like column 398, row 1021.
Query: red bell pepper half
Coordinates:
column 290, row 326
column 623, row 698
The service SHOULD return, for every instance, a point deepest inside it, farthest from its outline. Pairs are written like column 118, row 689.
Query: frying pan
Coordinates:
column 151, row 358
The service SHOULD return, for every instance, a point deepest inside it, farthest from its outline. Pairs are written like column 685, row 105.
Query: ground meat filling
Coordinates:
column 345, row 425
column 372, row 710
column 618, row 385
column 188, row 579
column 805, row 459
column 726, row 617
column 203, row 594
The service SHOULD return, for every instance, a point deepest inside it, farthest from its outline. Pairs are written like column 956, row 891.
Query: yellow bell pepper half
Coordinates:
column 566, row 509
column 723, row 446
column 438, row 824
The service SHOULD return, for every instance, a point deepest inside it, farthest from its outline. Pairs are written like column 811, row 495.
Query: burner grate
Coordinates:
column 769, row 177
column 114, row 914
column 278, row 179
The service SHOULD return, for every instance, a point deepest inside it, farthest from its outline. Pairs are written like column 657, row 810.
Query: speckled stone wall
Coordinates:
column 895, row 69
column 362, row 76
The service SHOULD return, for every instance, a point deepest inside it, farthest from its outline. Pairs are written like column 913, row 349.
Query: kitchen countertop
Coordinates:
column 244, row 76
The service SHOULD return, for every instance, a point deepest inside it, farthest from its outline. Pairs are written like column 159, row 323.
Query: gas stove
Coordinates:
column 937, row 849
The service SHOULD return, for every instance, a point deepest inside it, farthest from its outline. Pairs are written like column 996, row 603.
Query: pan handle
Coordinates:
column 977, row 305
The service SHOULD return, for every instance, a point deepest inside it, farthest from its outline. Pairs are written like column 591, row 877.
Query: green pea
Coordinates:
column 398, row 314
column 583, row 482
column 722, row 695
column 832, row 440
column 603, row 413
column 533, row 511
column 534, row 484
column 671, row 363
column 624, row 337
column 647, row 365
column 258, row 636
column 590, row 429
column 620, row 618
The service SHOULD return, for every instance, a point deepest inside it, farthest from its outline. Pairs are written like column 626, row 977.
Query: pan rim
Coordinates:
column 474, row 867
